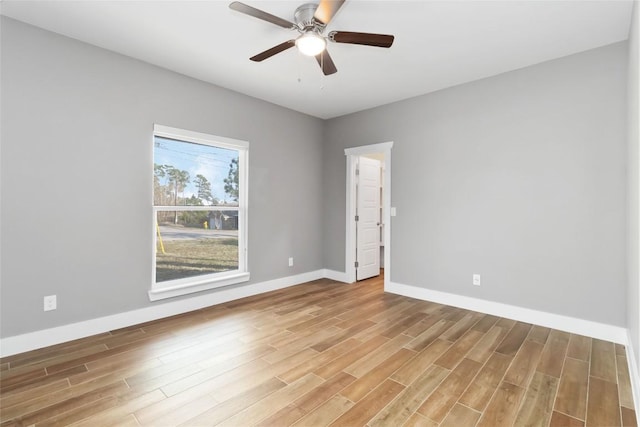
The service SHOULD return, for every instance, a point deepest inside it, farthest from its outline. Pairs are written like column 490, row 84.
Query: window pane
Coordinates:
column 189, row 174
column 193, row 243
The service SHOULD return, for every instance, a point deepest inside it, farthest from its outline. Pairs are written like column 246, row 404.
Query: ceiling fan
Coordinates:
column 311, row 19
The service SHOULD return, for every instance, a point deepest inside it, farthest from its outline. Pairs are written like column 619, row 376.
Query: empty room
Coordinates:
column 341, row 212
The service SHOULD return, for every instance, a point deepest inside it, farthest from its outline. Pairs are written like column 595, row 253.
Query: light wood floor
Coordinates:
column 317, row 354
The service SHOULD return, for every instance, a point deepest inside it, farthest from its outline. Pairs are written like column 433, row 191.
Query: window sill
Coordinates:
column 190, row 288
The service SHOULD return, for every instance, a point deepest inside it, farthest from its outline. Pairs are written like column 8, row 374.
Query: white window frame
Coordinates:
column 187, row 285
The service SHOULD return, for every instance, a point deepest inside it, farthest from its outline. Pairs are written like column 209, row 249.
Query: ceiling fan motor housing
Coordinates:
column 311, row 19
column 303, row 17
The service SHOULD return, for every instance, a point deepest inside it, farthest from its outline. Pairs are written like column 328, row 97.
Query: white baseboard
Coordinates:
column 634, row 375
column 38, row 339
column 44, row 338
column 338, row 276
column 616, row 334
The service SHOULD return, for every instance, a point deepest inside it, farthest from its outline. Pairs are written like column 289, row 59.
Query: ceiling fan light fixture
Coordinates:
column 311, row 44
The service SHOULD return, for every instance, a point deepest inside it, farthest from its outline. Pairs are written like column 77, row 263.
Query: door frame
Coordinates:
column 350, row 231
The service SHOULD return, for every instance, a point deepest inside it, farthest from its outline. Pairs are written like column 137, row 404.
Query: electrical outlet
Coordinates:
column 290, row 261
column 476, row 279
column 50, row 303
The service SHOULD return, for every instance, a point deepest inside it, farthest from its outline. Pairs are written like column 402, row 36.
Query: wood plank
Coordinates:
column 572, row 393
column 629, row 417
column 620, row 350
column 479, row 392
column 177, row 374
column 236, row 383
column 514, row 339
column 456, row 332
column 296, row 342
column 363, row 385
column 624, row 382
column 184, row 412
column 604, row 410
column 221, row 411
column 487, row 344
column 408, row 373
column 423, row 340
column 423, row 325
column 318, row 360
column 537, row 407
column 116, row 415
column 124, row 370
column 461, row 416
column 559, row 419
column 339, row 363
column 41, row 381
column 417, row 420
column 154, row 413
column 11, row 379
column 54, row 401
column 34, row 393
column 409, row 400
column 81, row 412
column 503, row 407
column 342, row 336
column 220, row 374
column 324, row 392
column 459, row 350
column 506, row 323
column 524, row 364
column 554, row 352
column 486, row 323
column 404, row 324
column 326, row 413
column 273, row 402
column 371, row 361
column 539, row 334
column 370, row 405
column 399, row 312
column 603, row 360
column 579, row 347
column 439, row 403
column 284, row 417
column 69, row 404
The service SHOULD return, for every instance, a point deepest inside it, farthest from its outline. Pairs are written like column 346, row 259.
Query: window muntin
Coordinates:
column 199, row 204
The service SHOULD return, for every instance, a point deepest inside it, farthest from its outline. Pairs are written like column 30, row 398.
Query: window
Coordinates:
column 199, row 212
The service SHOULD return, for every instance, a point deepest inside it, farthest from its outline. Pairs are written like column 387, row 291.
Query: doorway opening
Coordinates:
column 368, row 225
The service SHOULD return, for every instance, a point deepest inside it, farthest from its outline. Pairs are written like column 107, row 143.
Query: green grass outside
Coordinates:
column 195, row 257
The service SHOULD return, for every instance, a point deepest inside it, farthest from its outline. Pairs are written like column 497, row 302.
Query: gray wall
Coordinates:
column 633, row 292
column 76, row 176
column 520, row 177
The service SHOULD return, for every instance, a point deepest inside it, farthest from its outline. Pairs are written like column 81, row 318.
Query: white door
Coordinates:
column 368, row 223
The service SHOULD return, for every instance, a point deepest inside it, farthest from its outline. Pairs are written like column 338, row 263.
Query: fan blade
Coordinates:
column 326, row 63
column 257, row 13
column 326, row 10
column 274, row 50
column 369, row 39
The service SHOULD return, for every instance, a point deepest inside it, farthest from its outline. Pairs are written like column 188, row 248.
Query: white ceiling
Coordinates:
column 438, row 43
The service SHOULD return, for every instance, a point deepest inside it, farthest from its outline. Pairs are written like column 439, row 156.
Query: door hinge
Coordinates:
column 357, row 218
column 356, row 264
column 357, row 171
